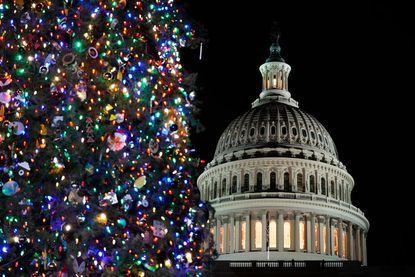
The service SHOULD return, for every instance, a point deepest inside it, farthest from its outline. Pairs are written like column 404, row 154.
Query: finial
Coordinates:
column 275, row 49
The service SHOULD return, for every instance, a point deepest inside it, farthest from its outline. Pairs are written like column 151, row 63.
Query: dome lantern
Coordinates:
column 275, row 77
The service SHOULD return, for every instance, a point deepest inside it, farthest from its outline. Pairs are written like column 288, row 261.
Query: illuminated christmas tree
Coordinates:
column 95, row 161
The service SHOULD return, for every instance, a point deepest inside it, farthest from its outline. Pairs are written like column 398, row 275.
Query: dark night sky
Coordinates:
column 352, row 65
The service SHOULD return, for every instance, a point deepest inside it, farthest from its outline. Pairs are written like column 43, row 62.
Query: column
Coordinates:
column 321, row 234
column 264, row 232
column 308, row 226
column 350, row 241
column 280, row 231
column 232, row 234
column 340, row 223
column 297, row 232
column 248, row 233
column 329, row 237
column 358, row 249
column 237, row 234
column 364, row 248
column 313, row 233
column 225, row 238
column 217, row 234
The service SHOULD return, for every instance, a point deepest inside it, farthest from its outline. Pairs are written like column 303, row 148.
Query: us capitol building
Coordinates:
column 277, row 186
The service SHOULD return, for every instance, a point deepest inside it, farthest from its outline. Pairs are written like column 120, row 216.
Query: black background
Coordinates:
column 352, row 68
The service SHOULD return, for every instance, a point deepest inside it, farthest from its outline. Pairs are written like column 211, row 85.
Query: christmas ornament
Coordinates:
column 74, row 198
column 174, row 127
column 78, row 268
column 89, row 130
column 154, row 146
column 17, row 127
column 89, row 168
column 68, row 59
column 5, row 82
column 159, row 229
column 25, row 18
column 93, row 52
column 5, row 97
column 80, row 89
column 57, row 120
column 117, row 141
column 110, row 198
column 121, row 222
column 140, row 182
column 81, row 218
column 102, row 218
column 144, row 202
column 10, row 188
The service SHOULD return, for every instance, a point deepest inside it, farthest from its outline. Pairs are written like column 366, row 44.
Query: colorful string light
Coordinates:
column 95, row 164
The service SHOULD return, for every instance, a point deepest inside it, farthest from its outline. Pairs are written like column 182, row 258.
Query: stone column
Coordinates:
column 237, row 233
column 313, row 233
column 331, row 240
column 217, row 234
column 280, row 231
column 232, row 234
column 225, row 238
column 329, row 237
column 321, row 234
column 297, row 232
column 308, row 226
column 264, row 232
column 248, row 233
column 358, row 248
column 364, row 248
column 350, row 241
column 340, row 224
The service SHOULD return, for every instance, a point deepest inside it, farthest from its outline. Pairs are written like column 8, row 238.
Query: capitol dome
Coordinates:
column 276, row 125
column 277, row 186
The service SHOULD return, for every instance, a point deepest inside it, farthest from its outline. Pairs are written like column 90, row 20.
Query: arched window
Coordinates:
column 312, row 184
column 262, row 131
column 273, row 180
column 286, row 181
column 300, row 183
column 258, row 182
column 223, row 187
column 323, row 186
column 252, row 132
column 246, row 182
column 333, row 189
column 274, row 81
column 234, row 184
column 294, row 131
column 284, row 130
column 273, row 130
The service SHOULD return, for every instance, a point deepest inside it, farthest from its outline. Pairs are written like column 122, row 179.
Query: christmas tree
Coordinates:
column 95, row 161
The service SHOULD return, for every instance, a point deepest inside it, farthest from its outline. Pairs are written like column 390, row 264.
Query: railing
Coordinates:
column 285, row 195
column 288, row 265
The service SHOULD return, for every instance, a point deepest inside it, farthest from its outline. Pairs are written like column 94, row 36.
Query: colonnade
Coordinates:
column 291, row 232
